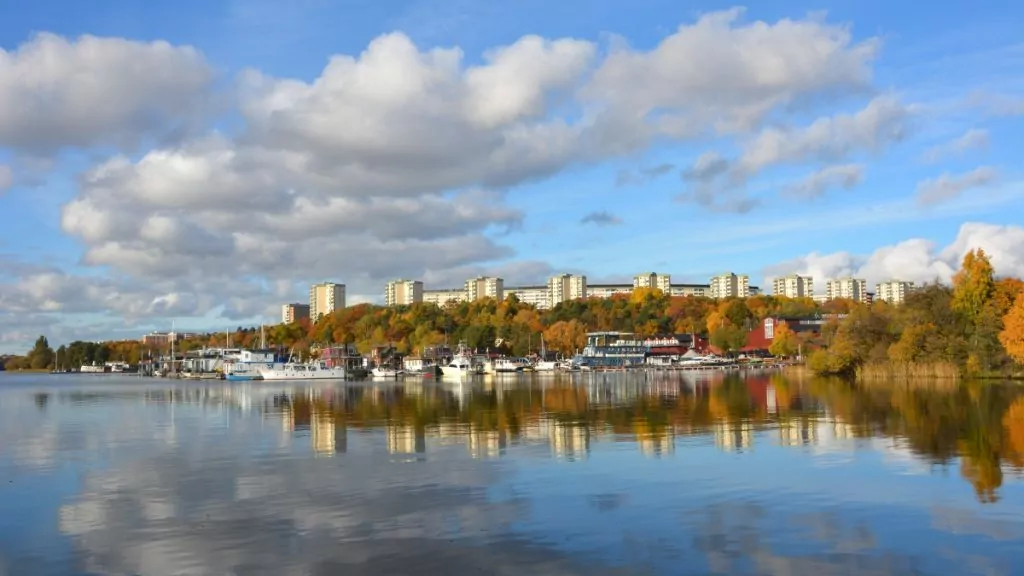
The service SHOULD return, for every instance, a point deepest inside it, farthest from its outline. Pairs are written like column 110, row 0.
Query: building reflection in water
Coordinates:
column 405, row 440
column 569, row 442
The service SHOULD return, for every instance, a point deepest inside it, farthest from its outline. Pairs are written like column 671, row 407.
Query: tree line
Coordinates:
column 975, row 325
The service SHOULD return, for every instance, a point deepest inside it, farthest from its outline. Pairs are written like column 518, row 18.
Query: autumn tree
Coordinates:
column 784, row 341
column 566, row 336
column 973, row 285
column 1012, row 335
column 728, row 338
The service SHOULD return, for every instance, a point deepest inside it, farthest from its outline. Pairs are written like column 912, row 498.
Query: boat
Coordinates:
column 380, row 372
column 505, row 365
column 462, row 364
column 302, row 371
column 546, row 366
column 92, row 369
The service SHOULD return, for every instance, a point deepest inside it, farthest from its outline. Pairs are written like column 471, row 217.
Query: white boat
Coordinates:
column 504, row 365
column 462, row 365
column 302, row 371
column 92, row 369
column 379, row 372
column 546, row 366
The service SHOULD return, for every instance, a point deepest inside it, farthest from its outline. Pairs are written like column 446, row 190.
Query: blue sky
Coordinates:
column 203, row 161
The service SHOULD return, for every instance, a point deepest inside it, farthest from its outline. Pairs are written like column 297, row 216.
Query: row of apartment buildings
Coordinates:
column 796, row 286
column 326, row 297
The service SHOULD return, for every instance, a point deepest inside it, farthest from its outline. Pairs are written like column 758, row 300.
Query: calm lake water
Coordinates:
column 584, row 474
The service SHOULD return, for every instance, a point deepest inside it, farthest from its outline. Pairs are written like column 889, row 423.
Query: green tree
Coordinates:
column 41, row 356
column 728, row 338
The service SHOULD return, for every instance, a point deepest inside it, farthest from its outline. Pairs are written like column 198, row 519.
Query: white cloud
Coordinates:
column 56, row 92
column 846, row 176
column 916, row 260
column 949, row 186
column 727, row 75
column 973, row 139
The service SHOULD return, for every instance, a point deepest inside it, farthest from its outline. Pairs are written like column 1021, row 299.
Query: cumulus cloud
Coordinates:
column 846, row 176
column 601, row 218
column 398, row 161
column 916, row 260
column 57, row 93
column 973, row 139
column 949, row 186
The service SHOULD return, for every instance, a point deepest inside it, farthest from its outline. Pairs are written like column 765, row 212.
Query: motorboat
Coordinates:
column 381, row 372
column 302, row 371
column 505, row 365
column 462, row 365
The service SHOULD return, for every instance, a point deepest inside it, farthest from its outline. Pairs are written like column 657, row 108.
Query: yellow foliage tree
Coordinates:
column 784, row 341
column 1012, row 336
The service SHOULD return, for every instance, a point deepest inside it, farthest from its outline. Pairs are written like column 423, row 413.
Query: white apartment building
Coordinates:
column 485, row 287
column 403, row 293
column 534, row 295
column 689, row 290
column 794, row 286
column 849, row 288
column 566, row 287
column 444, row 296
column 325, row 298
column 292, row 312
column 662, row 282
column 608, row 290
column 893, row 291
column 729, row 285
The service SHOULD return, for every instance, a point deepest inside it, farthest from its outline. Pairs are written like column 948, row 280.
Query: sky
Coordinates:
column 201, row 163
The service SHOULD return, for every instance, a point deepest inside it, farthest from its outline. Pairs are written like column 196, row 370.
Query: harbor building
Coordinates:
column 534, row 295
column 294, row 312
column 325, row 298
column 485, row 287
column 403, row 293
column 729, row 285
column 893, row 291
column 444, row 296
column 794, row 286
column 662, row 282
column 566, row 287
column 849, row 288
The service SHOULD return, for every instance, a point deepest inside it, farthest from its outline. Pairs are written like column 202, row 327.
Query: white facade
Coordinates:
column 566, row 287
column 729, row 285
column 533, row 295
column 403, row 293
column 325, row 298
column 689, row 289
column 485, row 287
column 848, row 288
column 794, row 286
column 893, row 291
column 442, row 297
column 608, row 290
column 662, row 282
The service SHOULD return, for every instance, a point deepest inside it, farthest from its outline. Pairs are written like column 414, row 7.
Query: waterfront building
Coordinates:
column 444, row 296
column 662, row 282
column 565, row 287
column 485, row 287
column 730, row 285
column 849, row 288
column 403, row 293
column 893, row 291
column 325, row 298
column 793, row 286
column 533, row 295
column 294, row 312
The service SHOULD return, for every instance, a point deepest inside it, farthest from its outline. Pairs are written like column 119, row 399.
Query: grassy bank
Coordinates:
column 908, row 371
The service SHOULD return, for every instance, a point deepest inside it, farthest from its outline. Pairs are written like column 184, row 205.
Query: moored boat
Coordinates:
column 302, row 371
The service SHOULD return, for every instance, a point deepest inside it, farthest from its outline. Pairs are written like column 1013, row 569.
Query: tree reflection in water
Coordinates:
column 979, row 424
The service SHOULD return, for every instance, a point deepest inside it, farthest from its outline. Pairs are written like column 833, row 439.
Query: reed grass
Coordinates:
column 906, row 371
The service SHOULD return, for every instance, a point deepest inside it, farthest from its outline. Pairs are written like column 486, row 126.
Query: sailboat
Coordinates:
column 544, row 365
